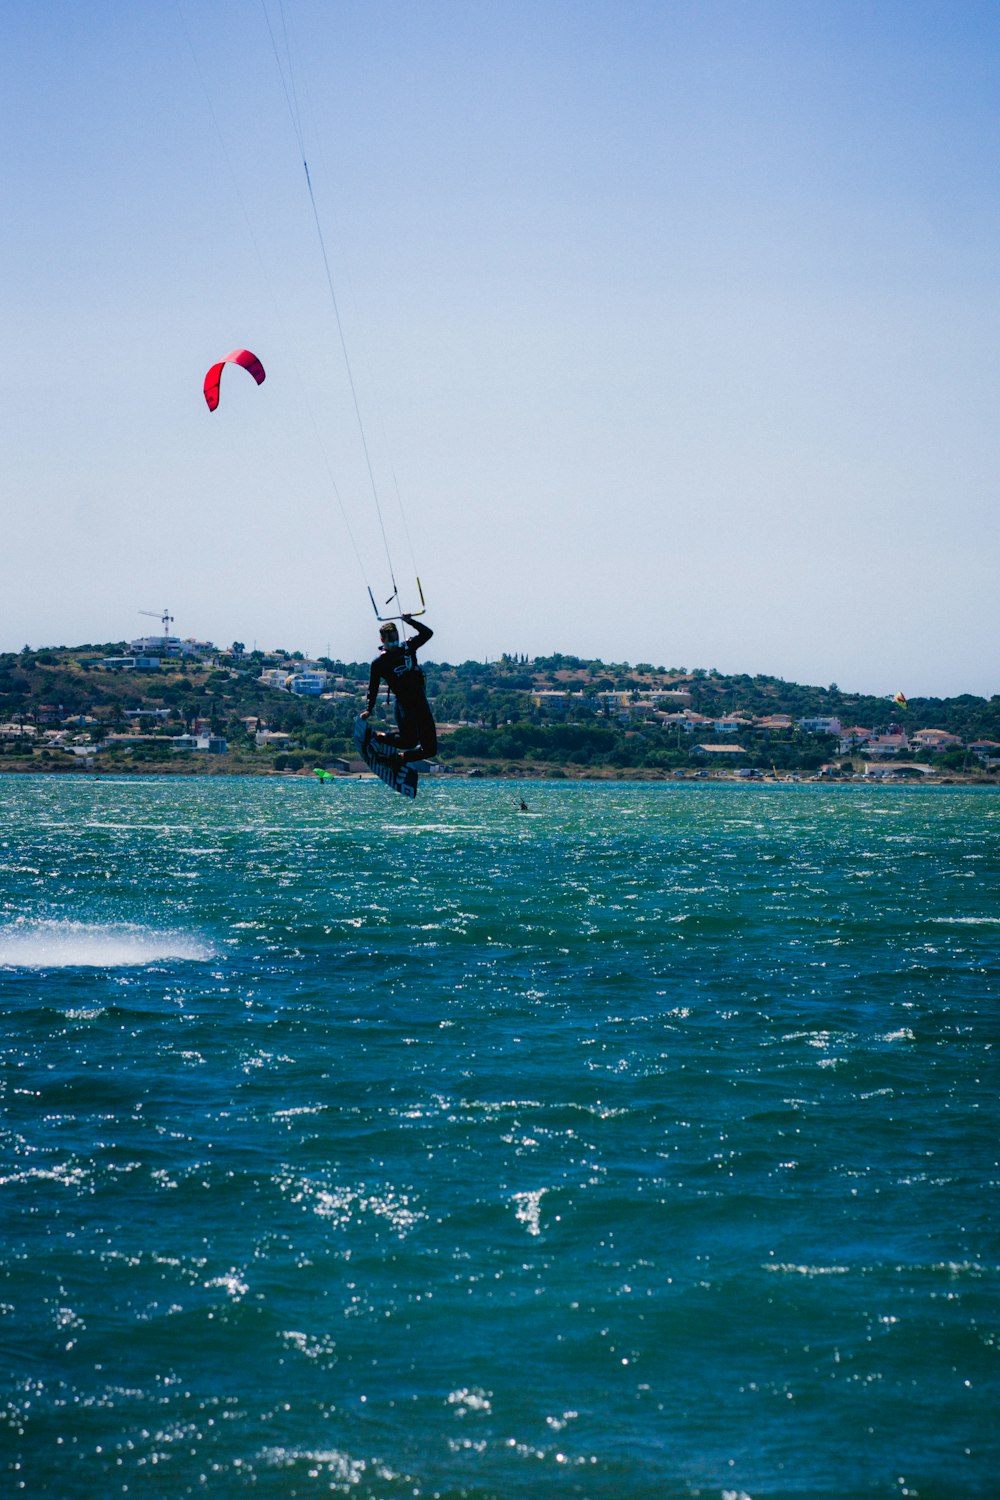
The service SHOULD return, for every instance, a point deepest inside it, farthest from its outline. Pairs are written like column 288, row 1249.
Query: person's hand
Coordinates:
column 363, row 714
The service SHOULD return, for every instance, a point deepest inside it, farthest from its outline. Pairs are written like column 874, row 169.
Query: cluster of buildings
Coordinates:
column 670, row 708
column 304, row 679
column 878, row 747
column 307, row 679
column 621, row 702
column 84, row 736
column 147, row 652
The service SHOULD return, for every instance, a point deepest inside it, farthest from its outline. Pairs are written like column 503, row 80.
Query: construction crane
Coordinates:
column 165, row 618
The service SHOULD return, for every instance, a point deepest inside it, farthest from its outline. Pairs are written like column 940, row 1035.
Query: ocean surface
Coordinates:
column 641, row 1145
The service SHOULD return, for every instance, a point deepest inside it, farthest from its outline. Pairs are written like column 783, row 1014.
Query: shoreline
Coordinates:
column 512, row 773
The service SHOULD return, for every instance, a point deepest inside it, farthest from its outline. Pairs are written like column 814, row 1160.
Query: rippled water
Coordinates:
column 641, row 1146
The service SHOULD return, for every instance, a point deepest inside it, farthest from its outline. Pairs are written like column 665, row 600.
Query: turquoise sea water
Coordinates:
column 645, row 1145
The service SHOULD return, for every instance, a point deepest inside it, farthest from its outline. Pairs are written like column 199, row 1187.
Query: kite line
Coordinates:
column 287, row 77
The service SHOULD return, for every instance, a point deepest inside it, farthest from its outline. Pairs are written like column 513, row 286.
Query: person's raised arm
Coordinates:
column 424, row 632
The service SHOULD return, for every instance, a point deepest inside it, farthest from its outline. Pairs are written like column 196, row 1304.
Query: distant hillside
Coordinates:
column 516, row 713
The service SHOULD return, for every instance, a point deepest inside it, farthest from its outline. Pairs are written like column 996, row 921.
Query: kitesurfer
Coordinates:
column 396, row 666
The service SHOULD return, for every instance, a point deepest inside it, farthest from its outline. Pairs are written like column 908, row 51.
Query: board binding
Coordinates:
column 401, row 779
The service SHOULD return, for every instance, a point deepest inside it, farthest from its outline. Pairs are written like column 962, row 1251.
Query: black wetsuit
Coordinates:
column 396, row 666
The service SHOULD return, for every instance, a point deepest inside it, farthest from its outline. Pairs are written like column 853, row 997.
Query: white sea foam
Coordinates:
column 232, row 1283
column 313, row 1347
column 344, row 1205
column 473, row 1399
column 784, row 1267
column 65, row 1173
column 339, row 1469
column 104, row 945
column 967, row 921
column 529, row 1208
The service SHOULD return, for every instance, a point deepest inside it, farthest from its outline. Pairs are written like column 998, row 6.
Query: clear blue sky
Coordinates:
column 677, row 324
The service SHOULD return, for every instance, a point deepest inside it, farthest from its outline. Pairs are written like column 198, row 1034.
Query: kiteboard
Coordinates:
column 402, row 779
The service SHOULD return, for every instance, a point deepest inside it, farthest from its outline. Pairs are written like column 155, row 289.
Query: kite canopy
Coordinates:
column 242, row 357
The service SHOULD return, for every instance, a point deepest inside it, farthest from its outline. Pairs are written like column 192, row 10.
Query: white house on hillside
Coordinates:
column 307, row 684
column 821, row 725
column 885, row 744
column 934, row 739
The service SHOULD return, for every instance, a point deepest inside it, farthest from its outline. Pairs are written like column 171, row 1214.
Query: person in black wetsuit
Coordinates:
column 396, row 666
